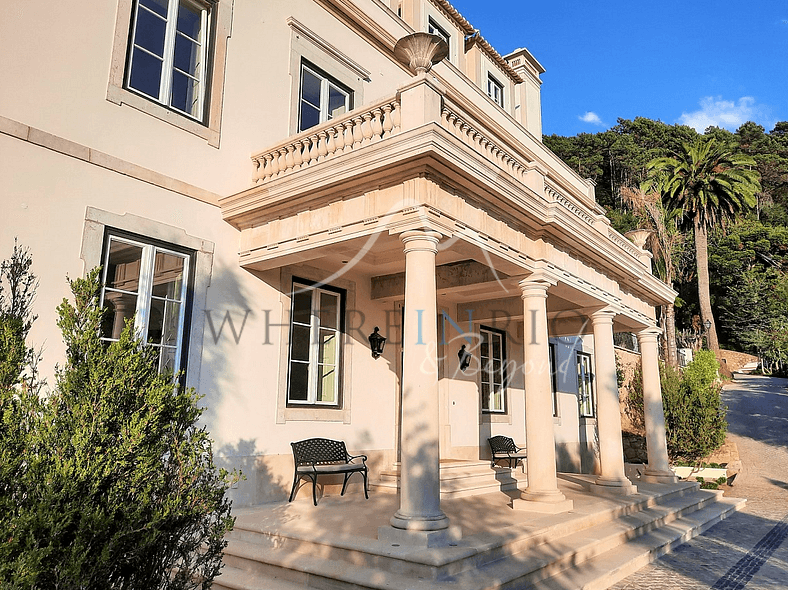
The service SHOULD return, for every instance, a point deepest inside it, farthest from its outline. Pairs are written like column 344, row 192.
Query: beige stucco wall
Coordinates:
column 71, row 158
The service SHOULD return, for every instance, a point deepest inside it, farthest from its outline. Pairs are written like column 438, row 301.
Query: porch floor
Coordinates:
column 335, row 544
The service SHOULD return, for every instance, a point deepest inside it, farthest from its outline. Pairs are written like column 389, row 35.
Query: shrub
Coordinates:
column 115, row 486
column 694, row 414
column 694, row 417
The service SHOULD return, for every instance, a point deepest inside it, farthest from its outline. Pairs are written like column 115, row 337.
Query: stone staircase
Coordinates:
column 595, row 545
column 461, row 479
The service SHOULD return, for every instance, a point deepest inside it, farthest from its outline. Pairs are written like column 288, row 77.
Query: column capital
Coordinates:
column 606, row 315
column 421, row 240
column 649, row 334
column 535, row 285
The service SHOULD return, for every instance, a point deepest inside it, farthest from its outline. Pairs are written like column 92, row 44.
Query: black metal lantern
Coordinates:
column 465, row 358
column 707, row 323
column 377, row 343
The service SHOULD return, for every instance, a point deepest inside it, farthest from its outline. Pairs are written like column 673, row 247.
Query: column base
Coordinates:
column 658, row 476
column 409, row 522
column 613, row 487
column 551, row 502
column 440, row 538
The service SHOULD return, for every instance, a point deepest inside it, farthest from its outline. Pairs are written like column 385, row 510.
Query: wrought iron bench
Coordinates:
column 323, row 456
column 503, row 447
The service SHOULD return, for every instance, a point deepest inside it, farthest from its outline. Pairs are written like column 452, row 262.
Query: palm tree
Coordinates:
column 711, row 185
column 665, row 242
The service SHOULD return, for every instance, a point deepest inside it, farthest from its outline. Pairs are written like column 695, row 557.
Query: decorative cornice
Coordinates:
column 452, row 12
column 477, row 39
column 328, row 48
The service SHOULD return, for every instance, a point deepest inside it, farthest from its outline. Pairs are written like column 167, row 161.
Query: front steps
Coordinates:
column 588, row 548
column 460, row 479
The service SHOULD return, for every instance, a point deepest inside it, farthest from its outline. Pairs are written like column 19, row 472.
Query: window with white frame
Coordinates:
column 492, row 357
column 145, row 285
column 315, row 345
column 321, row 98
column 168, row 53
column 434, row 28
column 553, row 379
column 585, row 385
column 495, row 90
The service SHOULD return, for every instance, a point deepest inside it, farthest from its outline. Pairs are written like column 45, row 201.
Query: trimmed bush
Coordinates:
column 694, row 416
column 109, row 481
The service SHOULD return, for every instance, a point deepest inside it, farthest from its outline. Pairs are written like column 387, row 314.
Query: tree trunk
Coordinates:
column 704, row 298
column 670, row 336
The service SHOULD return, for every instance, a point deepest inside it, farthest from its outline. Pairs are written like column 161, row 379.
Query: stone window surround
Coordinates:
column 504, row 417
column 117, row 93
column 97, row 221
column 489, row 70
column 306, row 45
column 317, row 414
column 432, row 14
column 315, row 352
column 506, row 376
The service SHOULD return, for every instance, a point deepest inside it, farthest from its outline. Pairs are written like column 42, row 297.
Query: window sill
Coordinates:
column 121, row 96
column 313, row 414
column 495, row 418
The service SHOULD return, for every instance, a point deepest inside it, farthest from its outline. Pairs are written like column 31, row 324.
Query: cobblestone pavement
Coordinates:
column 749, row 549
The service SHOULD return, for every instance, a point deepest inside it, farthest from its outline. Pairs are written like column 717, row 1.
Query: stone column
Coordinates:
column 420, row 520
column 658, row 469
column 542, row 493
column 611, row 450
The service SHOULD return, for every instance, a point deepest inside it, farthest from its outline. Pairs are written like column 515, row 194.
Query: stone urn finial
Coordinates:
column 420, row 51
column 639, row 236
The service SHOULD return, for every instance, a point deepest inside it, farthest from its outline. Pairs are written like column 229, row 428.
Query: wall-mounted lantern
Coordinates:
column 465, row 358
column 376, row 343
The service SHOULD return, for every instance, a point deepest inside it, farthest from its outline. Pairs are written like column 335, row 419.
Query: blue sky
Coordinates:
column 694, row 62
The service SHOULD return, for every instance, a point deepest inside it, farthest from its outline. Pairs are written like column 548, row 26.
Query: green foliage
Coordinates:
column 17, row 290
column 694, row 417
column 694, row 414
column 618, row 158
column 109, row 481
column 711, row 485
column 708, row 181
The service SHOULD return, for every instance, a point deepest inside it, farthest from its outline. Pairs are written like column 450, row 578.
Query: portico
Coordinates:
column 421, row 203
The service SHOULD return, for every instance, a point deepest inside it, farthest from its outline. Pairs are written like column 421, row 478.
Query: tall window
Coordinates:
column 495, row 90
column 321, row 98
column 553, row 379
column 146, row 285
column 585, row 384
column 315, row 345
column 492, row 356
column 169, row 53
column 434, row 29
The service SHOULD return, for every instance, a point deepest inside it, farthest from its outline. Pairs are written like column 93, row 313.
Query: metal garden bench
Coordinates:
column 503, row 447
column 323, row 456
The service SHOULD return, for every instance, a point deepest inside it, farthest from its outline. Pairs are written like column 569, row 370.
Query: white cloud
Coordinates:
column 591, row 117
column 714, row 111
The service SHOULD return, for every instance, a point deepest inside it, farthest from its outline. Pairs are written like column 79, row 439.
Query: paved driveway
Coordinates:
column 746, row 551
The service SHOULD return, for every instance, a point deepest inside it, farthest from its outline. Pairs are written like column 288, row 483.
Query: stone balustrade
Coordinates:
column 370, row 124
column 459, row 126
column 340, row 135
column 624, row 243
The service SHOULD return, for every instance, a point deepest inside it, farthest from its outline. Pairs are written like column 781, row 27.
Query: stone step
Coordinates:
column 614, row 565
column 461, row 479
column 598, row 557
column 524, row 558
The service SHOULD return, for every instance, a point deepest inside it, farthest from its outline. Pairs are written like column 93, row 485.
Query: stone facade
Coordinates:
column 313, row 184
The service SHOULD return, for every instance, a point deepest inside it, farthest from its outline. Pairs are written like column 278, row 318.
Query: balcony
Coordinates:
column 429, row 155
